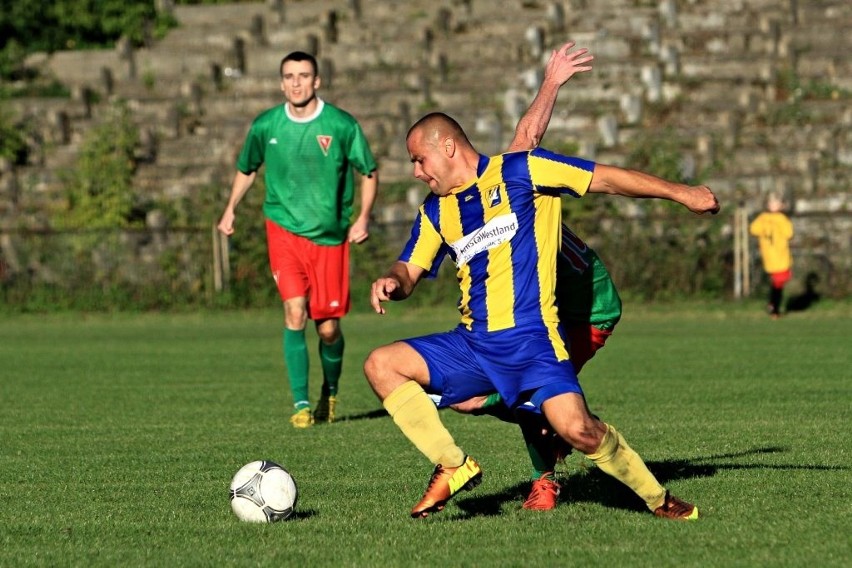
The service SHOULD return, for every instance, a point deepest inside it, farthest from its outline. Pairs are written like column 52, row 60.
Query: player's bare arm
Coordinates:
column 241, row 184
column 360, row 229
column 562, row 65
column 632, row 183
column 397, row 284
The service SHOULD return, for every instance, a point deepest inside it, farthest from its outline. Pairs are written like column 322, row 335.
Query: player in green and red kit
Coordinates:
column 589, row 308
column 309, row 148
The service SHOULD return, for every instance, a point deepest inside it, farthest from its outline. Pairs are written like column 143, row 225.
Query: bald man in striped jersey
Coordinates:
column 498, row 218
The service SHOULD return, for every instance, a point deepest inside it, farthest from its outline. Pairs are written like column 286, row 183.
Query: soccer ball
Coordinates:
column 263, row 492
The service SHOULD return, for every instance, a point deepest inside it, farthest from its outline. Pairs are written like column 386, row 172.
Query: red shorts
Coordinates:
column 583, row 343
column 304, row 269
column 780, row 278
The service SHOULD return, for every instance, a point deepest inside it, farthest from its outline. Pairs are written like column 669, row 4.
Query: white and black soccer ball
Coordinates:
column 263, row 492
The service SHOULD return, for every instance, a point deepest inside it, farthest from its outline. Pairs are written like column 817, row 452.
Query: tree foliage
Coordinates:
column 51, row 25
column 28, row 26
column 100, row 188
column 12, row 144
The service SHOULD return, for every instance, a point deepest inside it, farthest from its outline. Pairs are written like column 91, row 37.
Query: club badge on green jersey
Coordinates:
column 324, row 142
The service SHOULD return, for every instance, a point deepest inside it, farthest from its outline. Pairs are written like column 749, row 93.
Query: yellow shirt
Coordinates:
column 773, row 231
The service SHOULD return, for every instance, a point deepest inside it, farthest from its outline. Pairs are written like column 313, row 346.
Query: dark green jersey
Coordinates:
column 585, row 292
column 309, row 178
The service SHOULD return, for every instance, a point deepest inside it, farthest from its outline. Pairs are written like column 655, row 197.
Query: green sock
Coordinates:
column 538, row 446
column 492, row 400
column 296, row 359
column 331, row 357
column 498, row 410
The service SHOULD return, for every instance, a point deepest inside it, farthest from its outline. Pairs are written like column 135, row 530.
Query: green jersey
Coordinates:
column 309, row 181
column 585, row 292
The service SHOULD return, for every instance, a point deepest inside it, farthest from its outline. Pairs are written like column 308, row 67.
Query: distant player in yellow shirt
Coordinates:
column 774, row 230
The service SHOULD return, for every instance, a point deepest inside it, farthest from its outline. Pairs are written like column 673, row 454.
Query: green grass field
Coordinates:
column 119, row 435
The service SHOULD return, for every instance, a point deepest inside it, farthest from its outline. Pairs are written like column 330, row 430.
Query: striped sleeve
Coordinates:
column 425, row 247
column 554, row 173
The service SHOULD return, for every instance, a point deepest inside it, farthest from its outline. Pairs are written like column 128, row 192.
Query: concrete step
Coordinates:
column 175, row 182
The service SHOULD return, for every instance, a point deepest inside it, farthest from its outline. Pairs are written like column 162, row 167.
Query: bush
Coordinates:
column 99, row 191
column 12, row 144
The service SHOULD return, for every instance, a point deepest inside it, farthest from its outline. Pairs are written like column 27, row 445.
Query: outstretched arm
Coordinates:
column 562, row 65
column 632, row 183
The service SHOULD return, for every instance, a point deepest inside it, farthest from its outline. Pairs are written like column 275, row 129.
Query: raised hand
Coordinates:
column 564, row 63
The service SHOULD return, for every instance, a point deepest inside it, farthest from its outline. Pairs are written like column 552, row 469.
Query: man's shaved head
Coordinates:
column 437, row 126
column 442, row 155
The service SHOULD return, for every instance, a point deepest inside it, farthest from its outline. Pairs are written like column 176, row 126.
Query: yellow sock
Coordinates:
column 415, row 414
column 619, row 460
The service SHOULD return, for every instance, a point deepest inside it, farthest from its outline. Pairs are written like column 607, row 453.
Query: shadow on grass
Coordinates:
column 379, row 413
column 594, row 486
column 303, row 514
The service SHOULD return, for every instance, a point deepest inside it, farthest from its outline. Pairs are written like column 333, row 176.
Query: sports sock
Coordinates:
column 775, row 295
column 619, row 460
column 539, row 447
column 296, row 359
column 416, row 415
column 498, row 410
column 492, row 399
column 331, row 357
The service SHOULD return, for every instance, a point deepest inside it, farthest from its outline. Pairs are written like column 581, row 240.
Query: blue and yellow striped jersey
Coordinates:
column 503, row 232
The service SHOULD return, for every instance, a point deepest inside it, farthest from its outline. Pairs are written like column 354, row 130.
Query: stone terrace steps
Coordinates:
column 729, row 55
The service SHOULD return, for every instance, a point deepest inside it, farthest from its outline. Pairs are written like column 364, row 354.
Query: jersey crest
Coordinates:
column 324, row 143
column 494, row 196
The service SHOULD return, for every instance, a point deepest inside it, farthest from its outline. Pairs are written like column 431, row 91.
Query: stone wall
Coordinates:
column 715, row 74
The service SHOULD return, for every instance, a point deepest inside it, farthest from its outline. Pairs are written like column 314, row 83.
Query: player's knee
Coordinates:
column 381, row 372
column 295, row 319
column 376, row 365
column 295, row 315
column 328, row 334
column 583, row 435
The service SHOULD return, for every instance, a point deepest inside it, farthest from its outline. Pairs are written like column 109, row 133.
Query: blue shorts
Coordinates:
column 523, row 364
